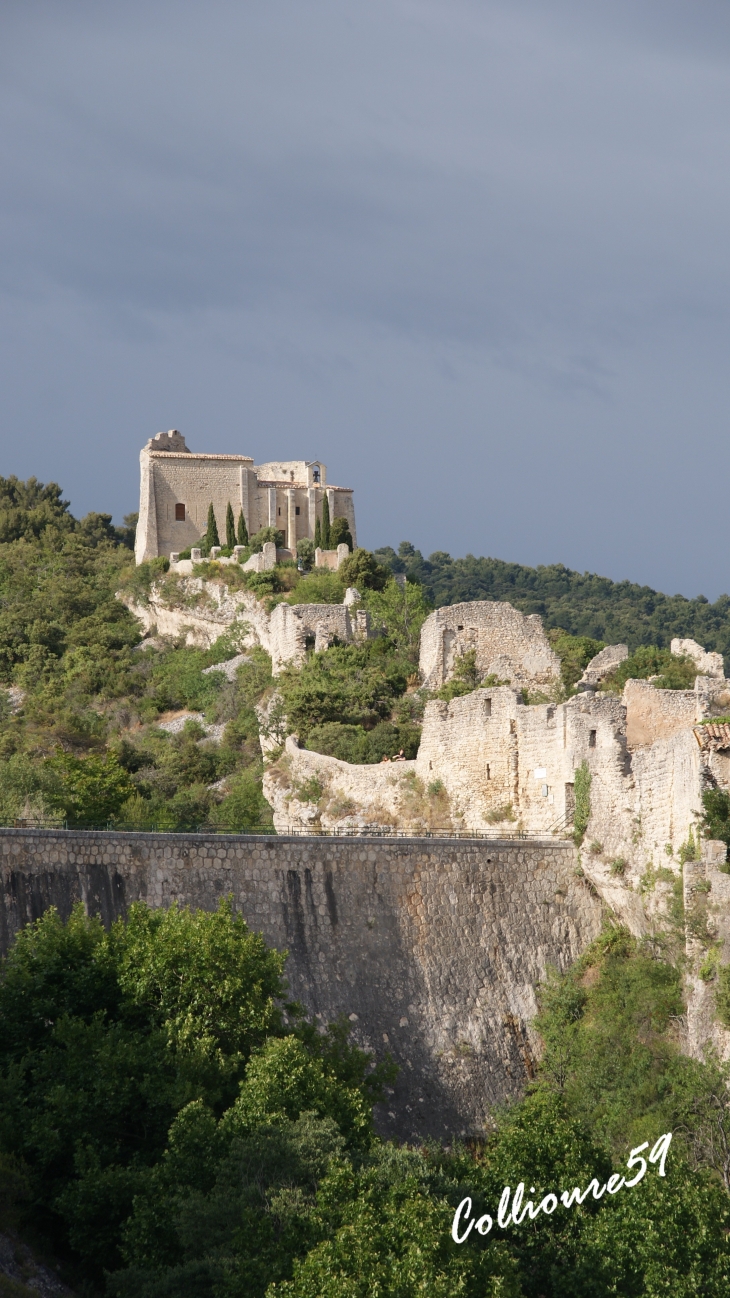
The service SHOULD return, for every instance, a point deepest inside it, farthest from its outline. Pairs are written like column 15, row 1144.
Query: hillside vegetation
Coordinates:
column 172, row 1128
column 85, row 707
column 582, row 603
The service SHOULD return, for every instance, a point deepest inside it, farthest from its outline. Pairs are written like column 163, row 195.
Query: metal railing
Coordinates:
column 291, row 831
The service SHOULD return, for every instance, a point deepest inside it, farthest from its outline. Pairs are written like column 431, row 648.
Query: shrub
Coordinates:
column 305, row 552
column 673, row 672
column 318, row 587
column 716, row 817
column 211, row 532
column 340, row 534
column 263, row 535
column 364, row 747
column 241, row 529
column 582, row 814
column 575, row 653
column 361, row 569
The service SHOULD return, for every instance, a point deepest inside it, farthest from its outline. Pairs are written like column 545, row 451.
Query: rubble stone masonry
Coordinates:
column 432, row 948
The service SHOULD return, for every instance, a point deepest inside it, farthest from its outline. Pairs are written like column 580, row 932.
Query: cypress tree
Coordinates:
column 211, row 534
column 230, row 527
column 242, row 530
column 325, row 523
column 317, row 534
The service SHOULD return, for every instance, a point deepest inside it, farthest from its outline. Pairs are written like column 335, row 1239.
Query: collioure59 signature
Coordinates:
column 512, row 1213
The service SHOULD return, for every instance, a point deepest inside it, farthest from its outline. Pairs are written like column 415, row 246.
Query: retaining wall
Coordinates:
column 431, row 947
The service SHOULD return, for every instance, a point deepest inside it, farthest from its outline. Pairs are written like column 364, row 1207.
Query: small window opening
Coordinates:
column 297, row 509
column 460, row 628
column 488, row 772
column 487, row 707
column 179, row 513
column 279, row 508
column 591, row 739
column 315, row 473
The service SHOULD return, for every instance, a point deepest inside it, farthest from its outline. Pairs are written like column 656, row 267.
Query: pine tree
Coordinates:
column 242, row 530
column 230, row 527
column 211, row 534
column 317, row 534
column 325, row 523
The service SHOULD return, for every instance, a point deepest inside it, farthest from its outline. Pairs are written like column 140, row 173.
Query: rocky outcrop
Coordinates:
column 199, row 611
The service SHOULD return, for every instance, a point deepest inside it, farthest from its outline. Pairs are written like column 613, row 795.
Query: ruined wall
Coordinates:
column 307, row 789
column 507, row 643
column 490, row 750
column 709, row 664
column 204, row 610
column 653, row 714
column 470, row 745
column 431, row 948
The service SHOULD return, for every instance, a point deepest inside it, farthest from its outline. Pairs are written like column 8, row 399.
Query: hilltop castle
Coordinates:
column 177, row 486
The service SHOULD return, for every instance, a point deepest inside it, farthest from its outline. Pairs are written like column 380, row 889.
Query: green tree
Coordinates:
column 363, row 571
column 575, row 653
column 263, row 535
column 325, row 523
column 86, row 790
column 211, row 532
column 242, row 530
column 230, row 527
column 305, row 552
column 317, row 534
column 340, row 533
column 352, row 684
column 104, row 1037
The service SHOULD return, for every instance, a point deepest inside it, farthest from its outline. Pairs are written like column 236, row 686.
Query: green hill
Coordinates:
column 582, row 603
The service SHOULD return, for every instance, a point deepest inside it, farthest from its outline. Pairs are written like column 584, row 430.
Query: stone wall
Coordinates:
column 287, row 495
column 653, row 714
column 309, row 790
column 431, row 948
column 507, row 644
column 204, row 610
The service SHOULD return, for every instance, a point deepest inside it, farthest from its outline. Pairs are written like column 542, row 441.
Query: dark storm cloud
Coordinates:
column 472, row 254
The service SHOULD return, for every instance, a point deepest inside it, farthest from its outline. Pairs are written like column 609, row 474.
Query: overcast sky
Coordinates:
column 473, row 254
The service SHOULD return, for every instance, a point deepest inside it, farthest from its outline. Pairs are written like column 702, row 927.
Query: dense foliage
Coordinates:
column 176, row 1130
column 583, row 604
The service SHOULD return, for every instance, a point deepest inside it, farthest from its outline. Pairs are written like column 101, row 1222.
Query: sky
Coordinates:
column 472, row 254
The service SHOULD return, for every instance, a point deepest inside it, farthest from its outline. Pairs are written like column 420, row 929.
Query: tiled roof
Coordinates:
column 711, row 737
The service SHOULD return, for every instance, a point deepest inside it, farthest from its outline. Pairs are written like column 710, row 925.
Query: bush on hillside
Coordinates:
column 364, row 747
column 582, row 603
column 672, row 671
column 363, row 571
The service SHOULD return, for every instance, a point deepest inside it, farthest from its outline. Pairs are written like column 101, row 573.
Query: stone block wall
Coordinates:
column 507, row 644
column 431, row 948
column 653, row 714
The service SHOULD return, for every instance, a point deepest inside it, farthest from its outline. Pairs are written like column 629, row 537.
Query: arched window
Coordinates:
column 315, row 473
